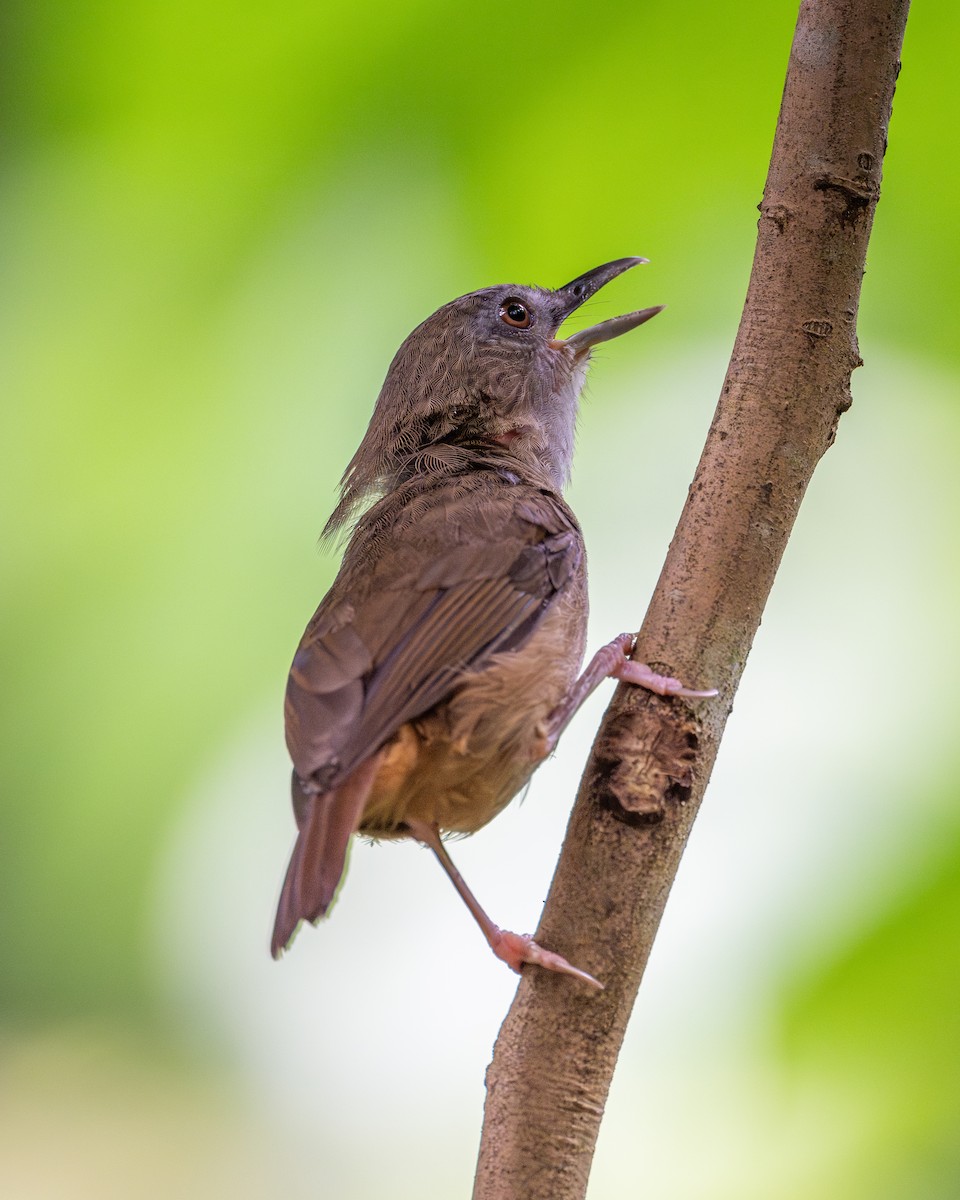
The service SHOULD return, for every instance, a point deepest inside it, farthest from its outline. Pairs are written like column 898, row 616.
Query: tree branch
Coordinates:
column 786, row 387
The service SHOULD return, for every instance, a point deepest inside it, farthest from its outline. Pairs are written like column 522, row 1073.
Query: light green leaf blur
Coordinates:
column 217, row 223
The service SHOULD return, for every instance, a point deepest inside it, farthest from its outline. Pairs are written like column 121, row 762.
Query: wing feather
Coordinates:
column 398, row 629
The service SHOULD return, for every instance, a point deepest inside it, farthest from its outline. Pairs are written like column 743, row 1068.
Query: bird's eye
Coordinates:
column 512, row 312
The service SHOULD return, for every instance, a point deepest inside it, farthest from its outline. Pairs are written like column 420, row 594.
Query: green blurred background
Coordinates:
column 217, row 224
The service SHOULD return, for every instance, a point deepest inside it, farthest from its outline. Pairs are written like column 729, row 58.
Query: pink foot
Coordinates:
column 515, row 949
column 609, row 662
column 629, row 671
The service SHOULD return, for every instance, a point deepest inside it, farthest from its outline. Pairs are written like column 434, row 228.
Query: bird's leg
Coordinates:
column 611, row 662
column 514, row 949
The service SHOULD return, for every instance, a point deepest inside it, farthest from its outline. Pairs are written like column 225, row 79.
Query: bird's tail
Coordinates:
column 326, row 823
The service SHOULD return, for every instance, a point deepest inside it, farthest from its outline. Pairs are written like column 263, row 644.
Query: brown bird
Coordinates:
column 442, row 666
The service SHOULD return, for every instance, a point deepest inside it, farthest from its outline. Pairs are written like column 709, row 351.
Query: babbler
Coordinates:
column 442, row 666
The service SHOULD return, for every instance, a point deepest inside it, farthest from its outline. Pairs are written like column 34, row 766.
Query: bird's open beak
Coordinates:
column 578, row 290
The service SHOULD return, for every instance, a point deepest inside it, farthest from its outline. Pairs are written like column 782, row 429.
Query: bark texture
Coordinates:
column 786, row 387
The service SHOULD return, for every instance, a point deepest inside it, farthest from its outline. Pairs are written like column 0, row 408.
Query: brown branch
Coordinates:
column 786, row 387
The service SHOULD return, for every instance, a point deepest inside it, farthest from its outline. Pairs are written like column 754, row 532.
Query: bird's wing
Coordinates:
column 393, row 642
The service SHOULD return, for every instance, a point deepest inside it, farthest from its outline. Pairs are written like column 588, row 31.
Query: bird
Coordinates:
column 445, row 661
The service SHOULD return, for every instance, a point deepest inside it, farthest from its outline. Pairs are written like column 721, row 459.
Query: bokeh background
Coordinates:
column 217, row 223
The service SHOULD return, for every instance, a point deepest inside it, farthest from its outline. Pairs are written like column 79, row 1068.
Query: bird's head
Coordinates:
column 489, row 368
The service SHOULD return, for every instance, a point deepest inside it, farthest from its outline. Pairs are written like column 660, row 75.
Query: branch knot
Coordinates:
column 645, row 760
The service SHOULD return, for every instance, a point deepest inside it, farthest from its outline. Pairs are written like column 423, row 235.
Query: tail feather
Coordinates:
column 326, row 823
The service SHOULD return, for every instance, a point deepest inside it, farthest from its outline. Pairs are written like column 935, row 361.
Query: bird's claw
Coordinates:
column 515, row 949
column 630, row 671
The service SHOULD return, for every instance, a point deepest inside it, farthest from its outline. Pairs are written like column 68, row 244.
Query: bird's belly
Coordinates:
column 461, row 763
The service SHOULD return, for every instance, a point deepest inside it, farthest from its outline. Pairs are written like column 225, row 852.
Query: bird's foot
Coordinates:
column 628, row 670
column 610, row 662
column 515, row 949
